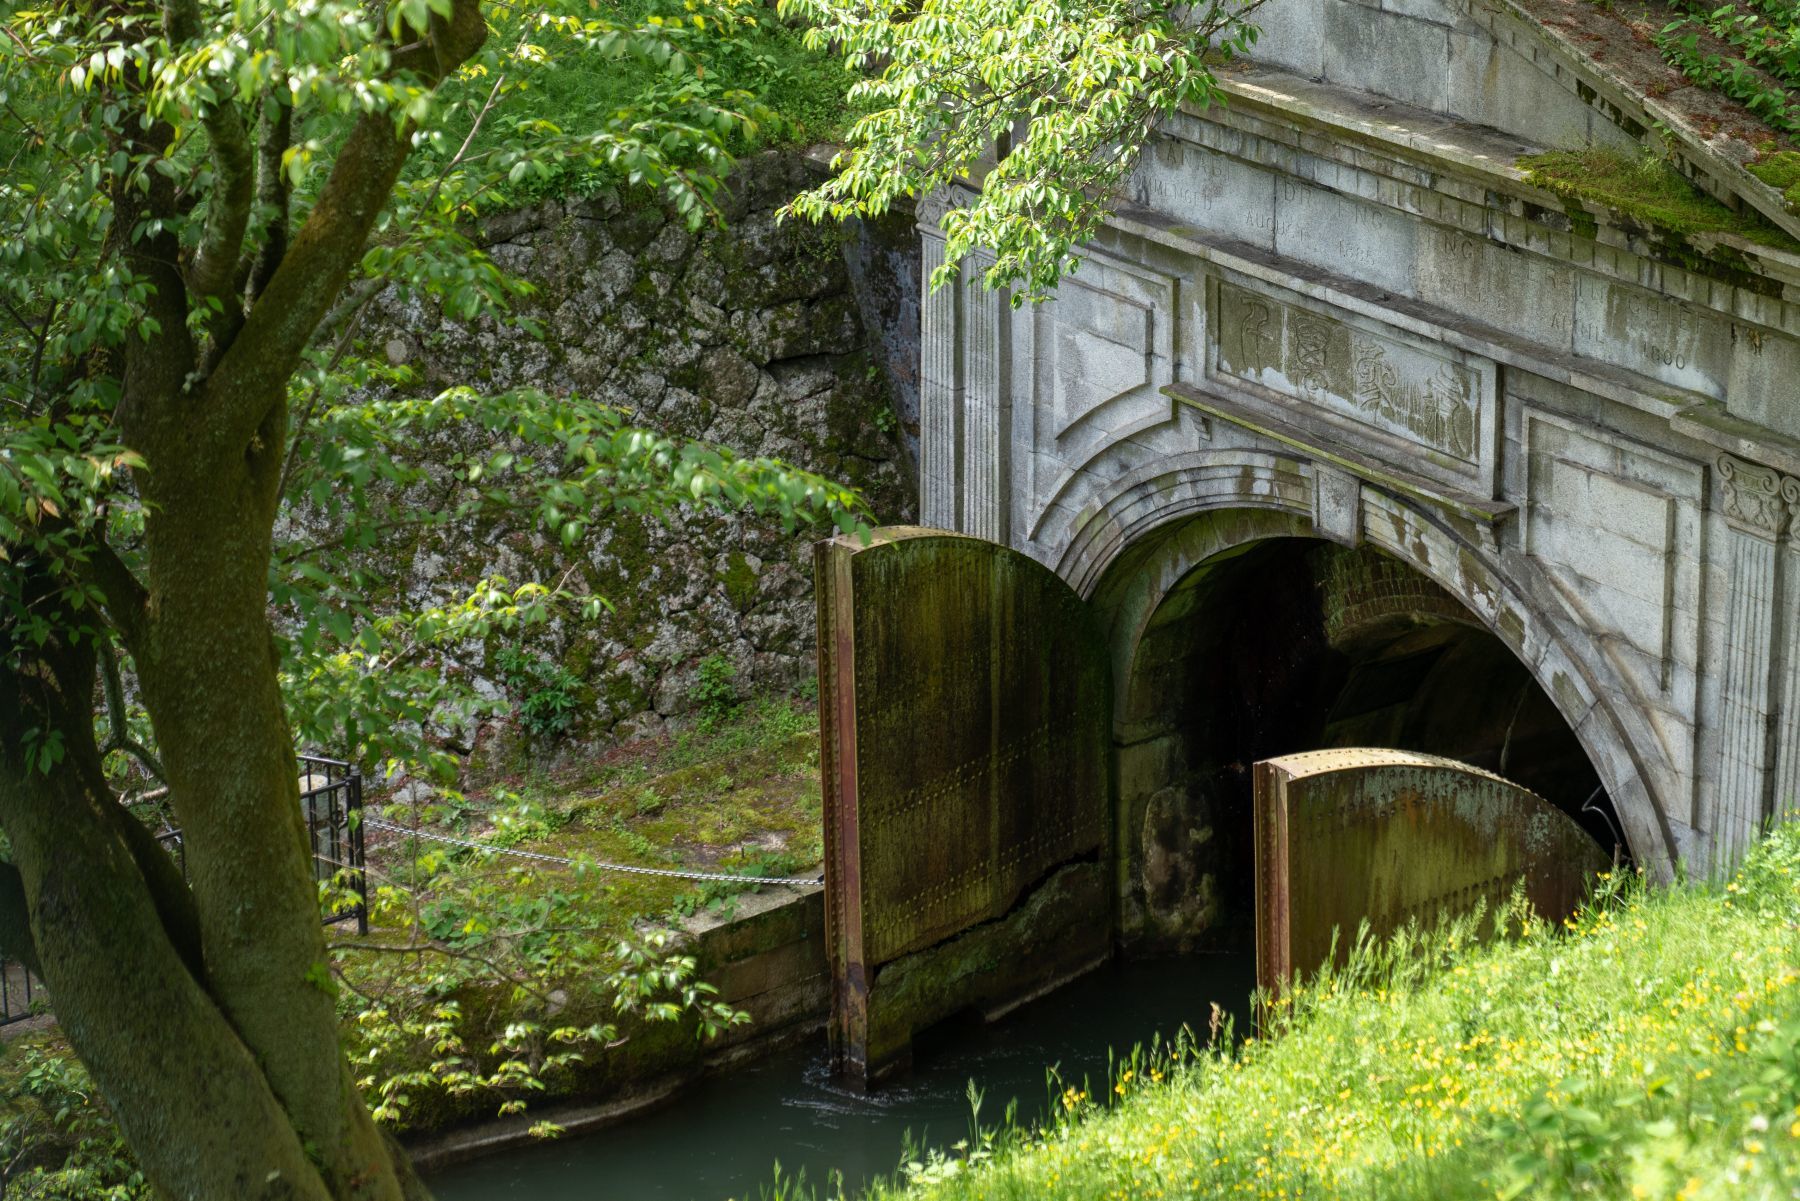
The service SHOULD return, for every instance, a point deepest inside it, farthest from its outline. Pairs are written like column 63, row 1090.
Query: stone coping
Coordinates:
column 1468, row 163
column 1713, row 134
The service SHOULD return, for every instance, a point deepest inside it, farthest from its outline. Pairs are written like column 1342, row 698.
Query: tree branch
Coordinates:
column 93, row 881
column 120, row 738
column 214, row 264
column 155, row 365
column 272, row 192
column 253, row 374
column 127, row 599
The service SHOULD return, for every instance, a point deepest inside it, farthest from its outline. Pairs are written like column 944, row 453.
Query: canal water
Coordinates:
column 721, row 1139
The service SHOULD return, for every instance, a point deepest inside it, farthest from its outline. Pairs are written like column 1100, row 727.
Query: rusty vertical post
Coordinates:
column 838, row 778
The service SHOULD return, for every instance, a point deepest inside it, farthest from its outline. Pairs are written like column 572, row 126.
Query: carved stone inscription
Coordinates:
column 1344, row 836
column 1392, row 385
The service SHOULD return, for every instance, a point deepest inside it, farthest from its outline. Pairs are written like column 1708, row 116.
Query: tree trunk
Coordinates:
column 223, row 1067
column 203, row 1010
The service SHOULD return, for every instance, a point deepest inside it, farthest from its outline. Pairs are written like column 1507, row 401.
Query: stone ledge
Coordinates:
column 1470, row 168
column 1605, row 380
column 1627, row 81
column 1364, row 467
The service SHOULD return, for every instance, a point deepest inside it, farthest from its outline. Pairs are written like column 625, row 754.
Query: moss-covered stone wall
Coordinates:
column 750, row 336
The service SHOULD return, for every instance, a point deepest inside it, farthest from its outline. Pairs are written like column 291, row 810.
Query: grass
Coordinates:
column 1649, row 190
column 1651, row 1049
column 738, row 793
column 735, row 788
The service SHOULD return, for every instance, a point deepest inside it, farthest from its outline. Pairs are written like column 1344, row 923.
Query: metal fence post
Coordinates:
column 353, row 803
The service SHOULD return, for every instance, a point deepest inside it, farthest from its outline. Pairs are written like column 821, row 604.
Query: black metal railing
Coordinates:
column 331, row 798
column 331, row 802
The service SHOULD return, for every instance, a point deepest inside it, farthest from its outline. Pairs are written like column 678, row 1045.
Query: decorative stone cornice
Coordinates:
column 1790, row 492
column 1758, row 499
column 932, row 206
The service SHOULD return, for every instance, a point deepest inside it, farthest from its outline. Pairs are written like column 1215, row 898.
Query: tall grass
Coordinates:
column 1649, row 1049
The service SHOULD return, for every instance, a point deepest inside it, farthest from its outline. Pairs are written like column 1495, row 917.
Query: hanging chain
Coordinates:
column 376, row 823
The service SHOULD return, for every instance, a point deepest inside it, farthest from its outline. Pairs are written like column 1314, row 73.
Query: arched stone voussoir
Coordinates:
column 1114, row 556
column 1173, row 488
column 1511, row 599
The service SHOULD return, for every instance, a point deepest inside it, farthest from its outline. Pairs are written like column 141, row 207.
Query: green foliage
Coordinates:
column 365, row 463
column 201, row 200
column 366, row 677
column 491, row 981
column 757, row 65
column 1649, row 1049
column 1071, row 87
column 490, row 984
column 545, row 694
column 57, row 1138
column 1748, row 50
column 714, row 691
column 717, row 894
column 1647, row 188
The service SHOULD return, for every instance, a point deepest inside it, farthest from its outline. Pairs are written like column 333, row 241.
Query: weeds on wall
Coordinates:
column 714, row 694
column 545, row 694
column 1748, row 50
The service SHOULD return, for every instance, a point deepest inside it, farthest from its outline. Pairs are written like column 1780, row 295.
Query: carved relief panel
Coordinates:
column 1426, row 407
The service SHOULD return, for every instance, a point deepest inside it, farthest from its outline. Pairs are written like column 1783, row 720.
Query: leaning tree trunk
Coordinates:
column 204, row 1011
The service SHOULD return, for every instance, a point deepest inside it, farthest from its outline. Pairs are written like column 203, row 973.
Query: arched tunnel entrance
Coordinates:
column 1022, row 779
column 1294, row 644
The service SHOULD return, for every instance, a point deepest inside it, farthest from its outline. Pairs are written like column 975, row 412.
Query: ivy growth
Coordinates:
column 1750, row 51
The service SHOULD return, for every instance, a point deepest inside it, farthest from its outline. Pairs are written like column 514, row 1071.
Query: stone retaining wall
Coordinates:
column 749, row 335
column 766, row 956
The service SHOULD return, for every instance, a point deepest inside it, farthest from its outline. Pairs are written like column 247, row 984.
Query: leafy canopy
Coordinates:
column 200, row 201
column 127, row 134
column 1068, row 90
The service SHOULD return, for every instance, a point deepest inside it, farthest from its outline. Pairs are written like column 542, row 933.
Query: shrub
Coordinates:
column 714, row 693
column 545, row 694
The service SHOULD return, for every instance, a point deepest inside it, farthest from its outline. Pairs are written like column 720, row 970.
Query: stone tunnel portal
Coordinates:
column 1293, row 644
column 985, row 843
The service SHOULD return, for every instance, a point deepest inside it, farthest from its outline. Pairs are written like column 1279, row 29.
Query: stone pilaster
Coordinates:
column 1787, row 728
column 940, row 385
column 987, row 406
column 1757, row 518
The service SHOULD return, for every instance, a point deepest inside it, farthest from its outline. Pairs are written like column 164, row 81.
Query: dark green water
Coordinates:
column 722, row 1138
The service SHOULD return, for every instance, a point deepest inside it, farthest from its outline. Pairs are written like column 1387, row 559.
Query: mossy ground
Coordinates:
column 1648, row 190
column 1649, row 1050
column 738, row 794
column 736, row 791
